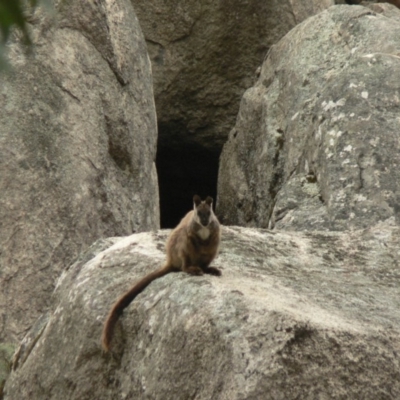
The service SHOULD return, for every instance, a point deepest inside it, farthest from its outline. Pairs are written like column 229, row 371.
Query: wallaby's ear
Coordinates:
column 196, row 200
column 209, row 200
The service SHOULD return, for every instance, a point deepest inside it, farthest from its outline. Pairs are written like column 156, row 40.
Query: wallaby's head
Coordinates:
column 203, row 212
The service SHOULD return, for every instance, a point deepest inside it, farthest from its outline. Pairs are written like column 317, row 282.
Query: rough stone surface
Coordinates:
column 316, row 143
column 386, row 9
column 77, row 147
column 204, row 55
column 6, row 353
column 369, row 2
column 294, row 316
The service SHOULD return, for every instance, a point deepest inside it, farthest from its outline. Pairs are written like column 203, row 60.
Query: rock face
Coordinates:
column 204, row 55
column 77, row 148
column 316, row 142
column 294, row 316
column 6, row 355
column 369, row 2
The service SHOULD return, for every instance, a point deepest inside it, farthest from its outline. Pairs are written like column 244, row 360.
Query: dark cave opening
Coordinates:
column 185, row 168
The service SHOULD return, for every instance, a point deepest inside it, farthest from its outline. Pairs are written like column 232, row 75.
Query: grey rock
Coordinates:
column 6, row 353
column 315, row 145
column 205, row 54
column 294, row 316
column 372, row 3
column 77, row 147
column 386, row 9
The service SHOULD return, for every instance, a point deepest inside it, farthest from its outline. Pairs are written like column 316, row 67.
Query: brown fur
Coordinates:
column 188, row 250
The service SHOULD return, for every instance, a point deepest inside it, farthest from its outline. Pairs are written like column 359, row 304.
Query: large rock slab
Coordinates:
column 316, row 143
column 204, row 56
column 77, row 146
column 294, row 316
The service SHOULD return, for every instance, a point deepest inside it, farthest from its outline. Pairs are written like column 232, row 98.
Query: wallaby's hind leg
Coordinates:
column 193, row 270
column 212, row 271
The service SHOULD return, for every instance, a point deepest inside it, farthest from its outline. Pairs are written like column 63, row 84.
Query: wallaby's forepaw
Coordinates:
column 213, row 271
column 194, row 271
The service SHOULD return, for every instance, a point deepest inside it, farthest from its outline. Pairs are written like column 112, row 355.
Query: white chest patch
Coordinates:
column 203, row 233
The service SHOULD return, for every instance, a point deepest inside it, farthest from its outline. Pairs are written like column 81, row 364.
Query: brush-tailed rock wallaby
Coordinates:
column 191, row 247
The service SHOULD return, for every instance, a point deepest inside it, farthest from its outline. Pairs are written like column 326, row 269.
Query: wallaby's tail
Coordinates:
column 124, row 302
